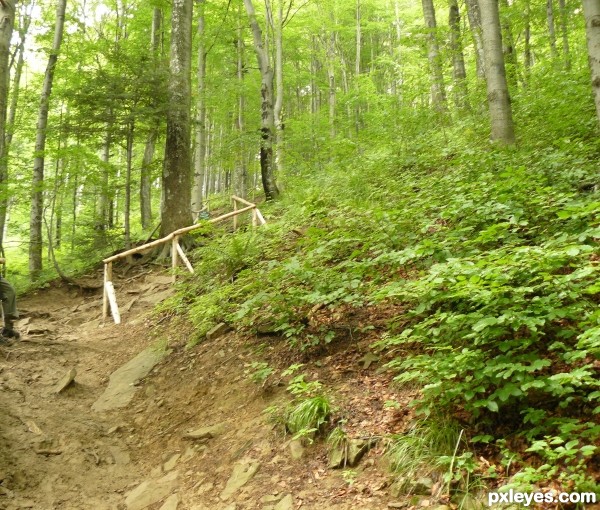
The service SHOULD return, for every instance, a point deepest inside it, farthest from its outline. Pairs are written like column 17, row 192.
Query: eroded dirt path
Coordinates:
column 194, row 436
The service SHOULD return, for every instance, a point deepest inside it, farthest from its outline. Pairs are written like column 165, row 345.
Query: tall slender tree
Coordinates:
column 591, row 11
column 500, row 109
column 438, row 88
column 37, row 182
column 7, row 19
column 267, row 107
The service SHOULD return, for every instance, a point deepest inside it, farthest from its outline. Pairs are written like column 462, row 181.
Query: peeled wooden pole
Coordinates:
column 174, row 253
column 183, row 257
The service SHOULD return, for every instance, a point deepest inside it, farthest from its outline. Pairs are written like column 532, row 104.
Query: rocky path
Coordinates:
column 98, row 416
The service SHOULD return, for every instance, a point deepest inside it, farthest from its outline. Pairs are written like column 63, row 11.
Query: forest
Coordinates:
column 429, row 176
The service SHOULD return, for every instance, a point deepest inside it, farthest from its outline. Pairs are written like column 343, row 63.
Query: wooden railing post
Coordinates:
column 235, row 218
column 174, row 255
column 105, row 293
column 254, row 218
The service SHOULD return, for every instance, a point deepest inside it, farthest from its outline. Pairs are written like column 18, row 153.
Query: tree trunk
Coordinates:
column 510, row 56
column 357, row 67
column 7, row 18
column 104, row 198
column 200, row 131
column 474, row 16
column 527, row 51
column 242, row 156
column 37, row 183
column 129, row 162
column 551, row 28
column 565, row 34
column 458, row 59
column 502, row 129
column 438, row 89
column 176, row 205
column 591, row 11
column 330, row 45
column 146, row 170
column 267, row 112
column 278, row 108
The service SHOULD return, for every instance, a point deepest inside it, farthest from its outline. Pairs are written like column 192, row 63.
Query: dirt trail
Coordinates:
column 194, row 436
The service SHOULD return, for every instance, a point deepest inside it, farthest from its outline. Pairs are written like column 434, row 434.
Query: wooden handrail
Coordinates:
column 177, row 253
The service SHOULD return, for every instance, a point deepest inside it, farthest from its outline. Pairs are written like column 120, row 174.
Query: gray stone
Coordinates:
column 66, row 381
column 171, row 503
column 151, row 492
column 337, row 457
column 123, row 381
column 206, row 432
column 350, row 453
column 397, row 504
column 242, row 473
column 422, row 487
column 287, row 503
column 218, row 331
column 467, row 502
column 296, row 449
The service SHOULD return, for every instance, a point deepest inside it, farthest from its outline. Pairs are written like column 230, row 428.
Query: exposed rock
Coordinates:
column 422, row 487
column 296, row 449
column 218, row 331
column 241, row 475
column 66, row 381
column 287, row 503
column 397, row 504
column 151, row 492
column 271, row 498
column 350, row 453
column 171, row 463
column 171, row 503
column 368, row 359
column 121, row 386
column 206, row 432
column 467, row 502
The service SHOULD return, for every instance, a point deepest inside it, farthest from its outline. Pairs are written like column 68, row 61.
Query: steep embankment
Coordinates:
column 193, row 435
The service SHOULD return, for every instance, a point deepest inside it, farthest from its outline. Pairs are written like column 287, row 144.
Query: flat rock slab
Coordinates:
column 121, row 386
column 66, row 381
column 242, row 473
column 171, row 503
column 151, row 492
column 287, row 503
column 218, row 331
column 206, row 432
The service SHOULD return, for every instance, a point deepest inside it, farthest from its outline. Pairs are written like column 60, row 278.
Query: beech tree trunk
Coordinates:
column 565, row 34
column 551, row 28
column 278, row 108
column 458, row 59
column 176, row 209
column 242, row 159
column 502, row 129
column 37, row 183
column 474, row 16
column 591, row 11
column 267, row 112
column 200, row 131
column 438, row 89
column 7, row 19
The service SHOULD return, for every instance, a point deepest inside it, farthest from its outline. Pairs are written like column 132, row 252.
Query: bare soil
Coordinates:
column 58, row 453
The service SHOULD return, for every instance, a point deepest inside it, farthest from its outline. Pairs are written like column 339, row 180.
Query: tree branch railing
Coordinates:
column 110, row 298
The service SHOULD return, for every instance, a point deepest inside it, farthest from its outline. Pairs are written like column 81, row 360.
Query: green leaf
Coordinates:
column 484, row 323
column 492, row 406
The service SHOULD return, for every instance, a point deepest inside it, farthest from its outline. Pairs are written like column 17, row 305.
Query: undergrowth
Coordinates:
column 493, row 255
